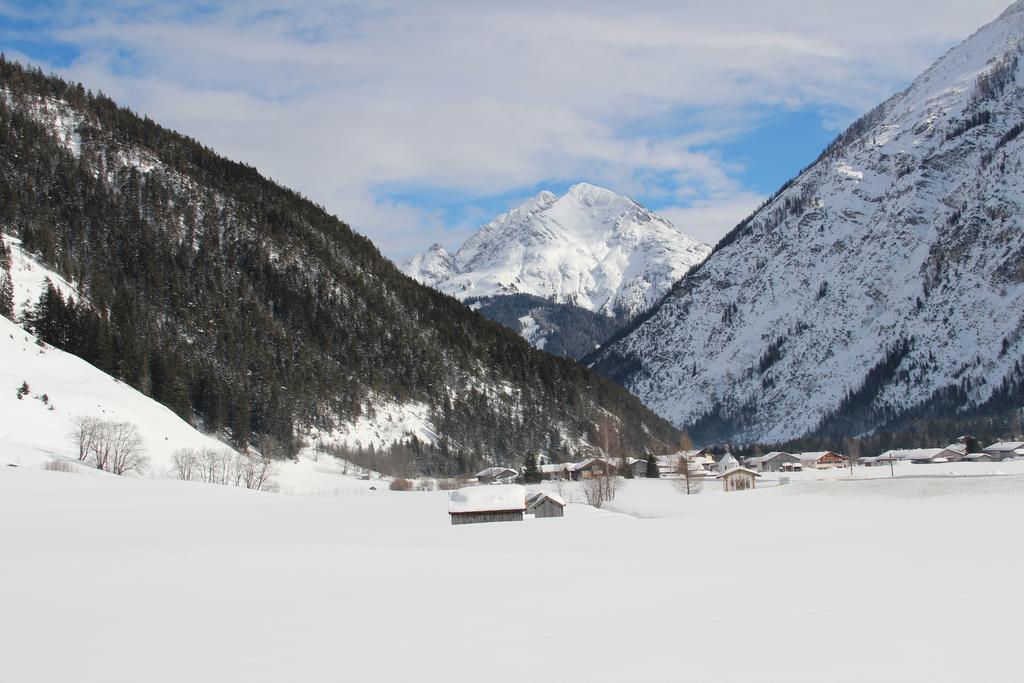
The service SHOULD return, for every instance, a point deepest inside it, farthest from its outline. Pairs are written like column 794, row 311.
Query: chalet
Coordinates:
column 497, row 475
column 669, row 464
column 592, row 467
column 977, row 457
column 770, row 462
column 821, row 460
column 638, row 466
column 555, row 471
column 739, row 479
column 476, row 504
column 1006, row 449
column 545, row 504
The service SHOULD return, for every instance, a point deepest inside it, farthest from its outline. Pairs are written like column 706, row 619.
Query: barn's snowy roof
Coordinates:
column 540, row 495
column 497, row 472
column 487, row 498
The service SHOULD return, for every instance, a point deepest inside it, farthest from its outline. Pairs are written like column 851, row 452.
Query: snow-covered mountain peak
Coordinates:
column 590, row 246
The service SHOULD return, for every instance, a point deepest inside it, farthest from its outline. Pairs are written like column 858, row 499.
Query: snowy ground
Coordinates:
column 125, row 579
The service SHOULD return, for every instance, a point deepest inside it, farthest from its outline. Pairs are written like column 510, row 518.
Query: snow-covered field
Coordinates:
column 128, row 579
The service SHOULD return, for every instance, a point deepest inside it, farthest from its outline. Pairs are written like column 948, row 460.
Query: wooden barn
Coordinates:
column 545, row 504
column 739, row 479
column 476, row 504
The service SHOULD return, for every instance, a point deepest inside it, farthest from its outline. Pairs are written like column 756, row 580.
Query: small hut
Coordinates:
column 739, row 479
column 545, row 504
column 475, row 504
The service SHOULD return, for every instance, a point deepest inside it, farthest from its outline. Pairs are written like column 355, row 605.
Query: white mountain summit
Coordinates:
column 590, row 247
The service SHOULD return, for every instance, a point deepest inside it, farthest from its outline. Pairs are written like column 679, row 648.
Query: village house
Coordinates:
column 977, row 457
column 770, row 462
column 477, row 504
column 497, row 475
column 638, row 466
column 592, row 467
column 545, row 504
column 1006, row 449
column 555, row 471
column 739, row 479
column 669, row 464
column 821, row 460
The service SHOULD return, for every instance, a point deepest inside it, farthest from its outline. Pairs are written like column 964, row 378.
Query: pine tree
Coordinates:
column 531, row 473
column 652, row 467
column 6, row 282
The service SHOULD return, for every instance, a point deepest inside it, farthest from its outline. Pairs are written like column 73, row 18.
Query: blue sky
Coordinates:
column 416, row 122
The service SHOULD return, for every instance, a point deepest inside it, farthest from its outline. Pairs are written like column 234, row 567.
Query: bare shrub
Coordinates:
column 400, row 484
column 185, row 462
column 450, row 484
column 256, row 473
column 599, row 490
column 56, row 465
column 225, row 468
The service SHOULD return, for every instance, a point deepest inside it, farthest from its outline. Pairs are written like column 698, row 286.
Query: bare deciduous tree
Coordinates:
column 691, row 480
column 84, row 435
column 225, row 468
column 125, row 448
column 110, row 446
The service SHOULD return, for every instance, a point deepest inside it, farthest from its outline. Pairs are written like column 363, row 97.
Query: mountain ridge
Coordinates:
column 757, row 343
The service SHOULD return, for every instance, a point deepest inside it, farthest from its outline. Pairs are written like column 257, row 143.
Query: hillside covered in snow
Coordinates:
column 589, row 248
column 250, row 312
column 884, row 286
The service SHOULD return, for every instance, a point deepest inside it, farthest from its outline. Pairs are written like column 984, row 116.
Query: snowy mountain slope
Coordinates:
column 32, row 432
column 244, row 307
column 590, row 247
column 889, row 274
column 30, row 276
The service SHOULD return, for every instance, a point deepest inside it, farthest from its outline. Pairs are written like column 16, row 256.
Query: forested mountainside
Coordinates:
column 883, row 288
column 253, row 313
column 562, row 329
column 589, row 249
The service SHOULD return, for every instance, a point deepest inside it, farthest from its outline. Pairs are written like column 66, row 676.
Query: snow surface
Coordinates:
column 902, row 233
column 905, row 579
column 590, row 247
column 33, row 432
column 491, row 498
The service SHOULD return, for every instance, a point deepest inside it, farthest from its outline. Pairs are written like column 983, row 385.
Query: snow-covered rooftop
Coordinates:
column 487, row 499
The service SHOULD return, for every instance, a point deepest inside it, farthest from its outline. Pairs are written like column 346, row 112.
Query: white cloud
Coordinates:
column 341, row 99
